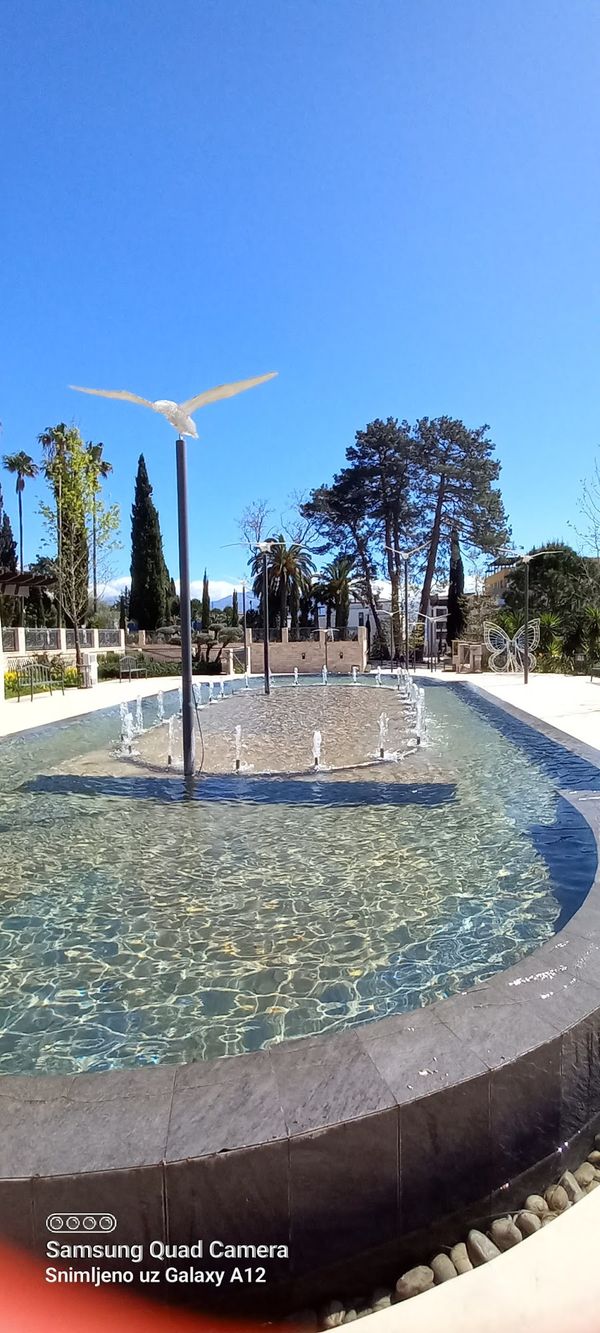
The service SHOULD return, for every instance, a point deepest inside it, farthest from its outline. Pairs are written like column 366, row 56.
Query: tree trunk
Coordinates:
column 20, row 493
column 94, row 577
column 283, row 602
column 361, row 547
column 395, row 636
column 433, row 546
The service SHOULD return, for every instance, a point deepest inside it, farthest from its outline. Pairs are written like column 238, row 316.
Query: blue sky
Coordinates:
column 394, row 203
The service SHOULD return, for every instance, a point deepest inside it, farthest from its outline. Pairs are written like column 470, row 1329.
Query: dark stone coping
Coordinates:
column 337, row 1146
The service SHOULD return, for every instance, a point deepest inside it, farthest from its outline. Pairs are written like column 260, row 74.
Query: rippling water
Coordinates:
column 146, row 921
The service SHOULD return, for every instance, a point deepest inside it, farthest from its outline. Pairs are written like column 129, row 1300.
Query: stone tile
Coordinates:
column 417, row 1054
column 511, row 1195
column 86, row 1128
column 498, row 1031
column 344, row 1190
column 327, row 1081
column 108, row 1085
column 135, row 1198
column 16, row 1212
column 525, row 1108
column 580, row 1076
column 239, row 1197
column 224, row 1104
column 445, row 1152
column 576, row 954
column 564, row 1000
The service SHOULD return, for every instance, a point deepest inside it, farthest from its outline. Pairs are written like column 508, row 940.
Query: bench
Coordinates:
column 131, row 666
column 32, row 677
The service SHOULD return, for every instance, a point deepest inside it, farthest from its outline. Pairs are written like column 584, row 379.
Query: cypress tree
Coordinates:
column 149, row 577
column 235, row 615
column 205, row 616
column 8, row 563
column 456, row 588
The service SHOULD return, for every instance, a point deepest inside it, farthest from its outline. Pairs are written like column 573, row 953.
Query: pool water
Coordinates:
column 146, row 919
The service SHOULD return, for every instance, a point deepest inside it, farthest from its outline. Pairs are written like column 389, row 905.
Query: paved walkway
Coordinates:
column 30, row 714
column 571, row 703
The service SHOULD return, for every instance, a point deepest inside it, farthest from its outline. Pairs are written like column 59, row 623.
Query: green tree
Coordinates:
column 147, row 598
column 456, row 589
column 382, row 459
column 455, row 480
column 68, row 520
column 340, row 515
column 235, row 617
column 205, row 613
column 289, row 570
column 103, row 520
column 338, row 588
column 8, row 564
column 21, row 466
column 41, row 607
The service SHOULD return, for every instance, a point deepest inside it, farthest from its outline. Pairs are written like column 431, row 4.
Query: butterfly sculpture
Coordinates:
column 508, row 654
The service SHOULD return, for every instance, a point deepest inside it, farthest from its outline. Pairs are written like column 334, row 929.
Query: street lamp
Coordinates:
column 431, row 635
column 180, row 416
column 405, row 556
column 265, row 548
column 526, row 561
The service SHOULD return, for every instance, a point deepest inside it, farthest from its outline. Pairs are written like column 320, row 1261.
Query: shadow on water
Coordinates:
column 245, row 790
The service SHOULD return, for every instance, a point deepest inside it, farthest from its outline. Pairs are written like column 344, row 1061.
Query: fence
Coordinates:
column 10, row 641
column 19, row 640
column 109, row 638
column 41, row 640
column 86, row 638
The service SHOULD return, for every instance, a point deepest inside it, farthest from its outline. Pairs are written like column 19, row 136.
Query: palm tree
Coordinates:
column 97, row 468
column 338, row 588
column 289, row 570
column 21, row 466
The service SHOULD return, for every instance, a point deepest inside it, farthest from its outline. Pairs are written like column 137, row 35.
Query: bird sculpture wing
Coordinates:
column 117, row 393
column 222, row 391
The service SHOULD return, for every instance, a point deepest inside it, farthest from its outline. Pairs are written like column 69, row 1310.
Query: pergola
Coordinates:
column 20, row 585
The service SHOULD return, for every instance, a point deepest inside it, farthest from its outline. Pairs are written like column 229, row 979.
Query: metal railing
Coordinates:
column 86, row 638
column 304, row 634
column 109, row 638
column 347, row 635
column 42, row 640
column 10, row 641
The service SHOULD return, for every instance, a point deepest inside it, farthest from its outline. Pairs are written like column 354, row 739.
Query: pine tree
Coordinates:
column 149, row 577
column 235, row 615
column 205, row 617
column 456, row 589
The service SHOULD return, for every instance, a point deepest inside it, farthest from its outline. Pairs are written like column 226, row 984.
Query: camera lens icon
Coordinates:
column 71, row 1223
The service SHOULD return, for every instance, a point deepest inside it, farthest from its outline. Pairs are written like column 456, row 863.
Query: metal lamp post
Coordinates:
column 180, row 417
column 405, row 556
column 526, row 561
column 244, row 625
column 185, row 602
column 265, row 548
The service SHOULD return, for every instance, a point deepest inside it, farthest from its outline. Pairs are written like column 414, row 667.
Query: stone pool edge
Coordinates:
column 337, row 1146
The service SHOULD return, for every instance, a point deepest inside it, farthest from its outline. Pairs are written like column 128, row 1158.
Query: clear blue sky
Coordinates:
column 394, row 203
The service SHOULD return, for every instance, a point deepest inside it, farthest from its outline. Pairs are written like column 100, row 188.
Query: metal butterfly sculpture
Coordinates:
column 508, row 654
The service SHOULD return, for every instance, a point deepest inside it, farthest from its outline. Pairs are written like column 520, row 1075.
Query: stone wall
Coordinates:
column 310, row 655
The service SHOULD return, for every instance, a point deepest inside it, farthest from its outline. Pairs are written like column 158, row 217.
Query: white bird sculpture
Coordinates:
column 180, row 414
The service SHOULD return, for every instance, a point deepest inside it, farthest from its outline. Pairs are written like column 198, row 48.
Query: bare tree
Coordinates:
column 252, row 523
column 589, row 510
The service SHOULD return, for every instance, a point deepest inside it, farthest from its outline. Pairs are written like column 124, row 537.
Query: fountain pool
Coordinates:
column 147, row 920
